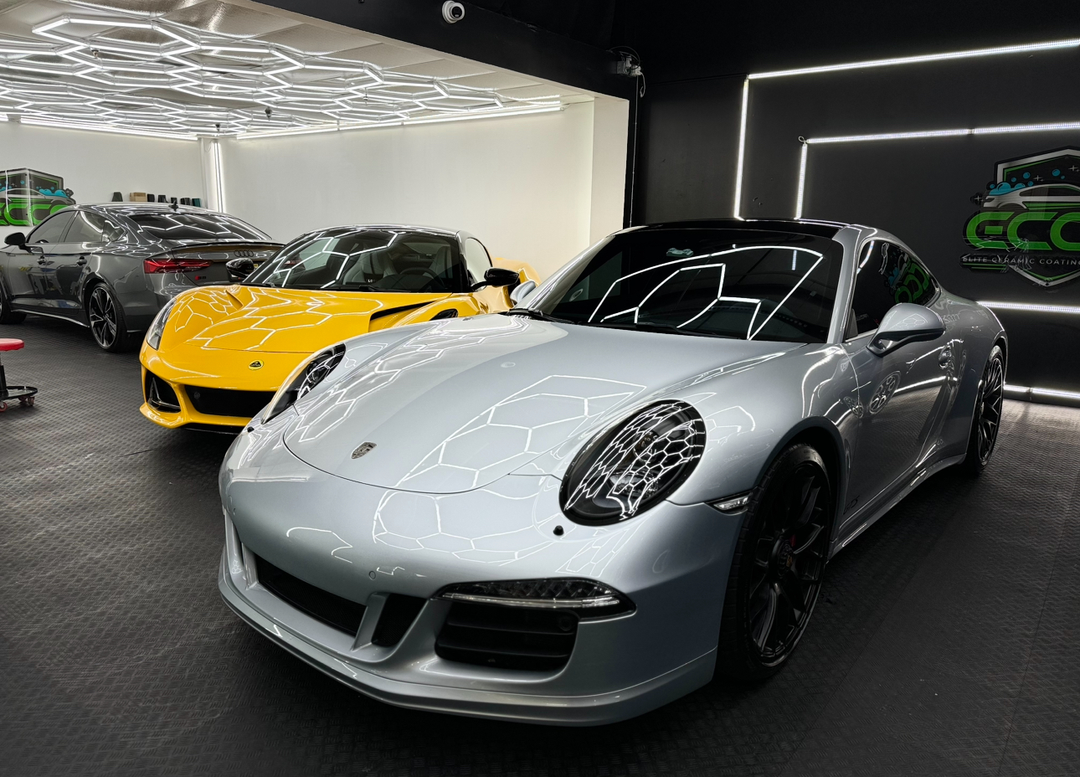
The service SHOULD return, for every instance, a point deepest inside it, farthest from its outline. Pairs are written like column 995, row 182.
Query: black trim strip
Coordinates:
column 400, row 309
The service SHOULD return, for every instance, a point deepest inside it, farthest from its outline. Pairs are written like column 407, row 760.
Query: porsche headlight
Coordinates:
column 303, row 379
column 157, row 328
column 634, row 465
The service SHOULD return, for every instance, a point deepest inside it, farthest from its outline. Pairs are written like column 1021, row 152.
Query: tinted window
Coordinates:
column 350, row 259
column 477, row 259
column 52, row 229
column 195, row 226
column 90, row 228
column 886, row 276
column 744, row 284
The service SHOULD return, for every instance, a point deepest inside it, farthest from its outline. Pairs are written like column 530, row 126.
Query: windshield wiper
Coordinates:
column 537, row 315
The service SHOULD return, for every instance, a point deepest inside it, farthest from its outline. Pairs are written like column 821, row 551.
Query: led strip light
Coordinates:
column 1065, row 43
column 93, row 68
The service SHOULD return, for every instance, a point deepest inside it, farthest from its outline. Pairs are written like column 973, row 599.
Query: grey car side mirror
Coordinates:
column 522, row 291
column 905, row 323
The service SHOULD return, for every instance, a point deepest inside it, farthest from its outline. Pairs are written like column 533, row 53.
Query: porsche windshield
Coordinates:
column 745, row 284
column 367, row 260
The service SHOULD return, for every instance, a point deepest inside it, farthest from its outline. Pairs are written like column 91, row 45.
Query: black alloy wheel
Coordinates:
column 106, row 319
column 778, row 566
column 986, row 418
column 7, row 315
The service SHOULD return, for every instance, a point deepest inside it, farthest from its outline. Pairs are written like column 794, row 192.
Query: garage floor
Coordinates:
column 946, row 643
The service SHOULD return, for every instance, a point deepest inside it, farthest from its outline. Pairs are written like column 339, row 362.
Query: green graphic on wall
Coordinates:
column 28, row 197
column 1029, row 219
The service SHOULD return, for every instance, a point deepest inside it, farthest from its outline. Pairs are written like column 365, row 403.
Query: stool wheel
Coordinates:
column 3, row 406
column 26, row 401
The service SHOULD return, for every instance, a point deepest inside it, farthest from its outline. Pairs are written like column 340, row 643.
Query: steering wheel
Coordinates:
column 417, row 271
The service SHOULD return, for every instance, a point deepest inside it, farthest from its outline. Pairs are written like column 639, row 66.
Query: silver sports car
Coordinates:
column 581, row 509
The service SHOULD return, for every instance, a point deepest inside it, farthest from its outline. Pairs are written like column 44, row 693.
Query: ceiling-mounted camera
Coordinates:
column 267, row 111
column 452, row 12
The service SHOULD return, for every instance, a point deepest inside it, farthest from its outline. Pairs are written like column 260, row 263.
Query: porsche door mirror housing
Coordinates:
column 905, row 323
column 521, row 291
column 239, row 269
column 16, row 239
column 500, row 276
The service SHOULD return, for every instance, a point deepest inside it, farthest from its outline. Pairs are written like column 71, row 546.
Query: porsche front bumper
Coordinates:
column 338, row 536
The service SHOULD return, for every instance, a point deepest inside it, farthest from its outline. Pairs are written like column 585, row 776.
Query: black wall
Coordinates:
column 918, row 189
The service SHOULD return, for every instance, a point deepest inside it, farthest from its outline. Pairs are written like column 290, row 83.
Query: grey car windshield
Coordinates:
column 367, row 260
column 745, row 284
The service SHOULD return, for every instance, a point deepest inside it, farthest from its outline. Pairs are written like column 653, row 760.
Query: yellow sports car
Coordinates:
column 215, row 355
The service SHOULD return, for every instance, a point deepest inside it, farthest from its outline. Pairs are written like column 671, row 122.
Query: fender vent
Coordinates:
column 507, row 637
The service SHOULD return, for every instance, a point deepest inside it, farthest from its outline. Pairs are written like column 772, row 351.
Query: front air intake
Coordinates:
column 333, row 610
column 507, row 637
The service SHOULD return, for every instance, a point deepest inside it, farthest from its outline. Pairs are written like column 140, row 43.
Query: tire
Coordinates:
column 780, row 558
column 106, row 319
column 986, row 417
column 7, row 315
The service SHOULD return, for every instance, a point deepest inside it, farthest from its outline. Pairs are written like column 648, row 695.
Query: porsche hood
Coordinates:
column 462, row 403
column 272, row 320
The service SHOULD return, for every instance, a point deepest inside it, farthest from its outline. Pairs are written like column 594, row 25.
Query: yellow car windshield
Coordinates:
column 364, row 259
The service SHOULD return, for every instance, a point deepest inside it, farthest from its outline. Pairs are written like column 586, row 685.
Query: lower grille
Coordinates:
column 507, row 637
column 331, row 609
column 160, row 395
column 240, row 404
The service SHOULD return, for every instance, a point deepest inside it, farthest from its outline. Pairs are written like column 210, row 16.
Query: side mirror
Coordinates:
column 500, row 276
column 522, row 291
column 905, row 323
column 16, row 239
column 239, row 269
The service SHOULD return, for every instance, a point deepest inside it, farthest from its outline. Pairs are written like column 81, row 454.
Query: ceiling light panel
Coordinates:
column 185, row 67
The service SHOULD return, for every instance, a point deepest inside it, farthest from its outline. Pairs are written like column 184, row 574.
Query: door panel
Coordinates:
column 904, row 396
column 32, row 273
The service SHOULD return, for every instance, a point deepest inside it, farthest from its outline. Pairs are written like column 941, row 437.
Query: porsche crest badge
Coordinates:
column 363, row 449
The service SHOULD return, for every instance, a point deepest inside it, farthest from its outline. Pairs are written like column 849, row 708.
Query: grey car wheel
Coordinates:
column 106, row 318
column 986, row 418
column 778, row 566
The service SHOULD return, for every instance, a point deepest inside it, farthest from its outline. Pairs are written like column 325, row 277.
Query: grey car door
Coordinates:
column 898, row 409
column 29, row 272
column 73, row 258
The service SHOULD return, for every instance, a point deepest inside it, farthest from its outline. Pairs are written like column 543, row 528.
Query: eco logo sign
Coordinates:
column 1029, row 219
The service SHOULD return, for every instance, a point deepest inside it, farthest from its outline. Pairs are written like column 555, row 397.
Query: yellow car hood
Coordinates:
column 269, row 320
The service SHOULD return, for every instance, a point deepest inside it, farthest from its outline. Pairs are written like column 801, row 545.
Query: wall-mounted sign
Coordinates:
column 1029, row 219
column 28, row 197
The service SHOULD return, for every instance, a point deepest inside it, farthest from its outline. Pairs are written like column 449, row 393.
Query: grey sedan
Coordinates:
column 111, row 267
column 583, row 508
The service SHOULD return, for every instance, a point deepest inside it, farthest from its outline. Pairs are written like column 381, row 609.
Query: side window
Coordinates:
column 476, row 259
column 89, row 228
column 51, row 230
column 886, row 276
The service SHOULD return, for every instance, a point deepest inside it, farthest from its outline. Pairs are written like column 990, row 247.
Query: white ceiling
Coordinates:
column 187, row 67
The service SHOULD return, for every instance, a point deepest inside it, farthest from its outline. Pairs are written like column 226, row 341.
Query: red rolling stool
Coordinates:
column 25, row 394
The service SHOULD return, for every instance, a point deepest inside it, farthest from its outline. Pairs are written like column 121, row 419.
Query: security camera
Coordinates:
column 452, row 12
column 268, row 111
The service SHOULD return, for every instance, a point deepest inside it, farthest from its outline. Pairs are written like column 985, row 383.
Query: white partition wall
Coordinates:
column 96, row 164
column 536, row 188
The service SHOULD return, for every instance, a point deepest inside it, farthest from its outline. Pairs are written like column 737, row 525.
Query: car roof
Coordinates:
column 797, row 226
column 129, row 208
column 411, row 227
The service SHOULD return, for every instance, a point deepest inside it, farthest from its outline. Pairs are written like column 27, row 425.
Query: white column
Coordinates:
column 213, row 173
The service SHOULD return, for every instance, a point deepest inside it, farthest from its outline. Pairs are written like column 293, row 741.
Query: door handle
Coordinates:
column 82, row 260
column 42, row 260
column 945, row 359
